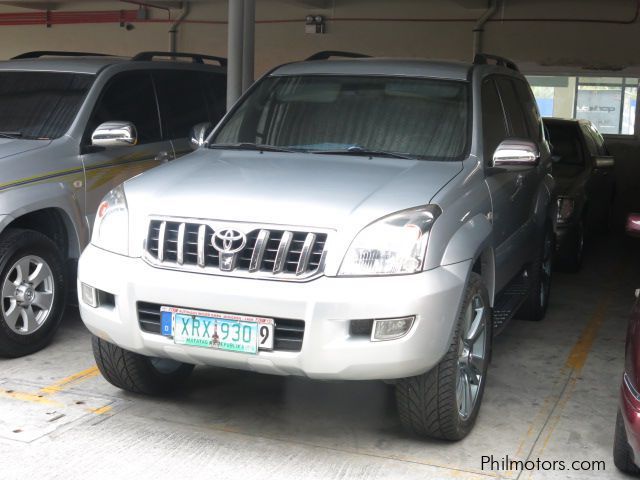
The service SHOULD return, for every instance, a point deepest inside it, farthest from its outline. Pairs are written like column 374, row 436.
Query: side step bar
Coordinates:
column 509, row 300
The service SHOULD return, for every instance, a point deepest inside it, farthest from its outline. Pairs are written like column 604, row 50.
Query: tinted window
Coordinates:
column 530, row 109
column 417, row 117
column 130, row 97
column 566, row 143
column 188, row 98
column 590, row 141
column 513, row 108
column 494, row 129
column 40, row 104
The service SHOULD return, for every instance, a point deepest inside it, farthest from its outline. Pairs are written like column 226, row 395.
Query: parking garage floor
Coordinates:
column 551, row 395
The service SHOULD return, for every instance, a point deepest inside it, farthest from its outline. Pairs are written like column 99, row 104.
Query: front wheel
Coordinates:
column 136, row 373
column 444, row 402
column 622, row 455
column 32, row 291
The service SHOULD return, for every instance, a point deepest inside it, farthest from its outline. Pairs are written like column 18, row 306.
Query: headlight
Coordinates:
column 392, row 245
column 566, row 206
column 111, row 228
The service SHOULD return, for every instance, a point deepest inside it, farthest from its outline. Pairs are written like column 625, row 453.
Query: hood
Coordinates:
column 10, row 147
column 286, row 188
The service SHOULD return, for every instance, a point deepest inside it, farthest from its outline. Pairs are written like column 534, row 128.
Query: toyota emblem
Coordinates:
column 228, row 240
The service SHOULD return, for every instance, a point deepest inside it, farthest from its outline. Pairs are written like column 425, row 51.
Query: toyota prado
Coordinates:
column 349, row 219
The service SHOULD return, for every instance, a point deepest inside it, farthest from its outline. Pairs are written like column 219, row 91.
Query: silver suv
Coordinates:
column 72, row 127
column 348, row 219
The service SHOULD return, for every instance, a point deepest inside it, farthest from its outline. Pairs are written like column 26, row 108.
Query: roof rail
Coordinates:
column 52, row 53
column 327, row 54
column 195, row 57
column 483, row 59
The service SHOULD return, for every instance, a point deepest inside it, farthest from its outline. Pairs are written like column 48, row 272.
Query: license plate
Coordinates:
column 220, row 331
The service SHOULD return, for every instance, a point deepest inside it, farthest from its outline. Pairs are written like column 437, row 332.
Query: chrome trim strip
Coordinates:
column 180, row 247
column 163, row 228
column 305, row 254
column 258, row 251
column 283, row 249
column 202, row 230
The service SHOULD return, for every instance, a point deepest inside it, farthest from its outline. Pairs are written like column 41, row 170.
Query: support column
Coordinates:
column 235, row 40
column 249, row 44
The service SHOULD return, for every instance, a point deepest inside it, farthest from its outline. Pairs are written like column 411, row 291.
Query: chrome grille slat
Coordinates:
column 270, row 252
column 283, row 249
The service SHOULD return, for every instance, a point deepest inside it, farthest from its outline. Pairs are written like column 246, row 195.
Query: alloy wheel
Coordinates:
column 472, row 357
column 28, row 295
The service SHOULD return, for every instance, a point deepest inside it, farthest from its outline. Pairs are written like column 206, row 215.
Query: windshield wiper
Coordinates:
column 365, row 152
column 11, row 134
column 252, row 146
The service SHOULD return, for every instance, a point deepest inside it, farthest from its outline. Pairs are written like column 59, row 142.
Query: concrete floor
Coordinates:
column 551, row 395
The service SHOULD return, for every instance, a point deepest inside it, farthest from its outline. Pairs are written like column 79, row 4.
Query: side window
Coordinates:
column 531, row 114
column 215, row 92
column 494, row 129
column 129, row 97
column 182, row 101
column 588, row 138
column 513, row 108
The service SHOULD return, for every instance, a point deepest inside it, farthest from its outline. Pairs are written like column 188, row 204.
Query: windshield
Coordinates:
column 411, row 117
column 566, row 146
column 40, row 105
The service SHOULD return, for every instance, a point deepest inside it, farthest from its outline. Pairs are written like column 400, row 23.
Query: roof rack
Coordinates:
column 52, row 53
column 327, row 54
column 483, row 59
column 195, row 57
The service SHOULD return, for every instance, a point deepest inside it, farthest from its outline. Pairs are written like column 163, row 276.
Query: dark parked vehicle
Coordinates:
column 583, row 169
column 626, row 446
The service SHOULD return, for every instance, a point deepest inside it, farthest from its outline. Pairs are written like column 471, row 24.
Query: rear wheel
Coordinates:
column 32, row 291
column 535, row 306
column 136, row 373
column 444, row 402
column 622, row 455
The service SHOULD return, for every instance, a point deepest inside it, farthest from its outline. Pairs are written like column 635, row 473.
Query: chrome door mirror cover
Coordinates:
column 198, row 135
column 115, row 134
column 604, row 162
column 516, row 152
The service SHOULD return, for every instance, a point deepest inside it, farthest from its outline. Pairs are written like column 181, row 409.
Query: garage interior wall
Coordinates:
column 560, row 36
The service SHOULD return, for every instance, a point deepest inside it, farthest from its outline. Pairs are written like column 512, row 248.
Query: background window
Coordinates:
column 608, row 102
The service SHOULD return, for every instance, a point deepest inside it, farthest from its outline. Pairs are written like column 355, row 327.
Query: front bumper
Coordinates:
column 326, row 305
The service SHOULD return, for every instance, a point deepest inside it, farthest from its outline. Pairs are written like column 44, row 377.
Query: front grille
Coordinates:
column 265, row 252
column 288, row 334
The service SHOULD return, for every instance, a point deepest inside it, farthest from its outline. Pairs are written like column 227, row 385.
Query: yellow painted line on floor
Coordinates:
column 581, row 349
column 101, row 410
column 29, row 397
column 71, row 380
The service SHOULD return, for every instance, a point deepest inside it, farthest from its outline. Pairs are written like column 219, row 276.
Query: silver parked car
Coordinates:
column 348, row 219
column 72, row 127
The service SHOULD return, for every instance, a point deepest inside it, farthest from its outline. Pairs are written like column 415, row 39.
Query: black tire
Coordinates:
column 622, row 455
column 427, row 404
column 15, row 245
column 136, row 373
column 571, row 262
column 535, row 306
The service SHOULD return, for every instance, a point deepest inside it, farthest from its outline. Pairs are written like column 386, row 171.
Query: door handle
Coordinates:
column 163, row 157
column 519, row 184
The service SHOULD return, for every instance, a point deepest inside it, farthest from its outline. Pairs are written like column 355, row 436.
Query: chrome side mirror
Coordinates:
column 199, row 134
column 516, row 152
column 115, row 134
column 604, row 162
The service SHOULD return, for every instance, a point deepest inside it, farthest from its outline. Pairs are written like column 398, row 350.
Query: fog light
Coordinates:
column 89, row 295
column 391, row 328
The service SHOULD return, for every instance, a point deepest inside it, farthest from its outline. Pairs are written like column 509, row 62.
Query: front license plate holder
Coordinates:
column 216, row 330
